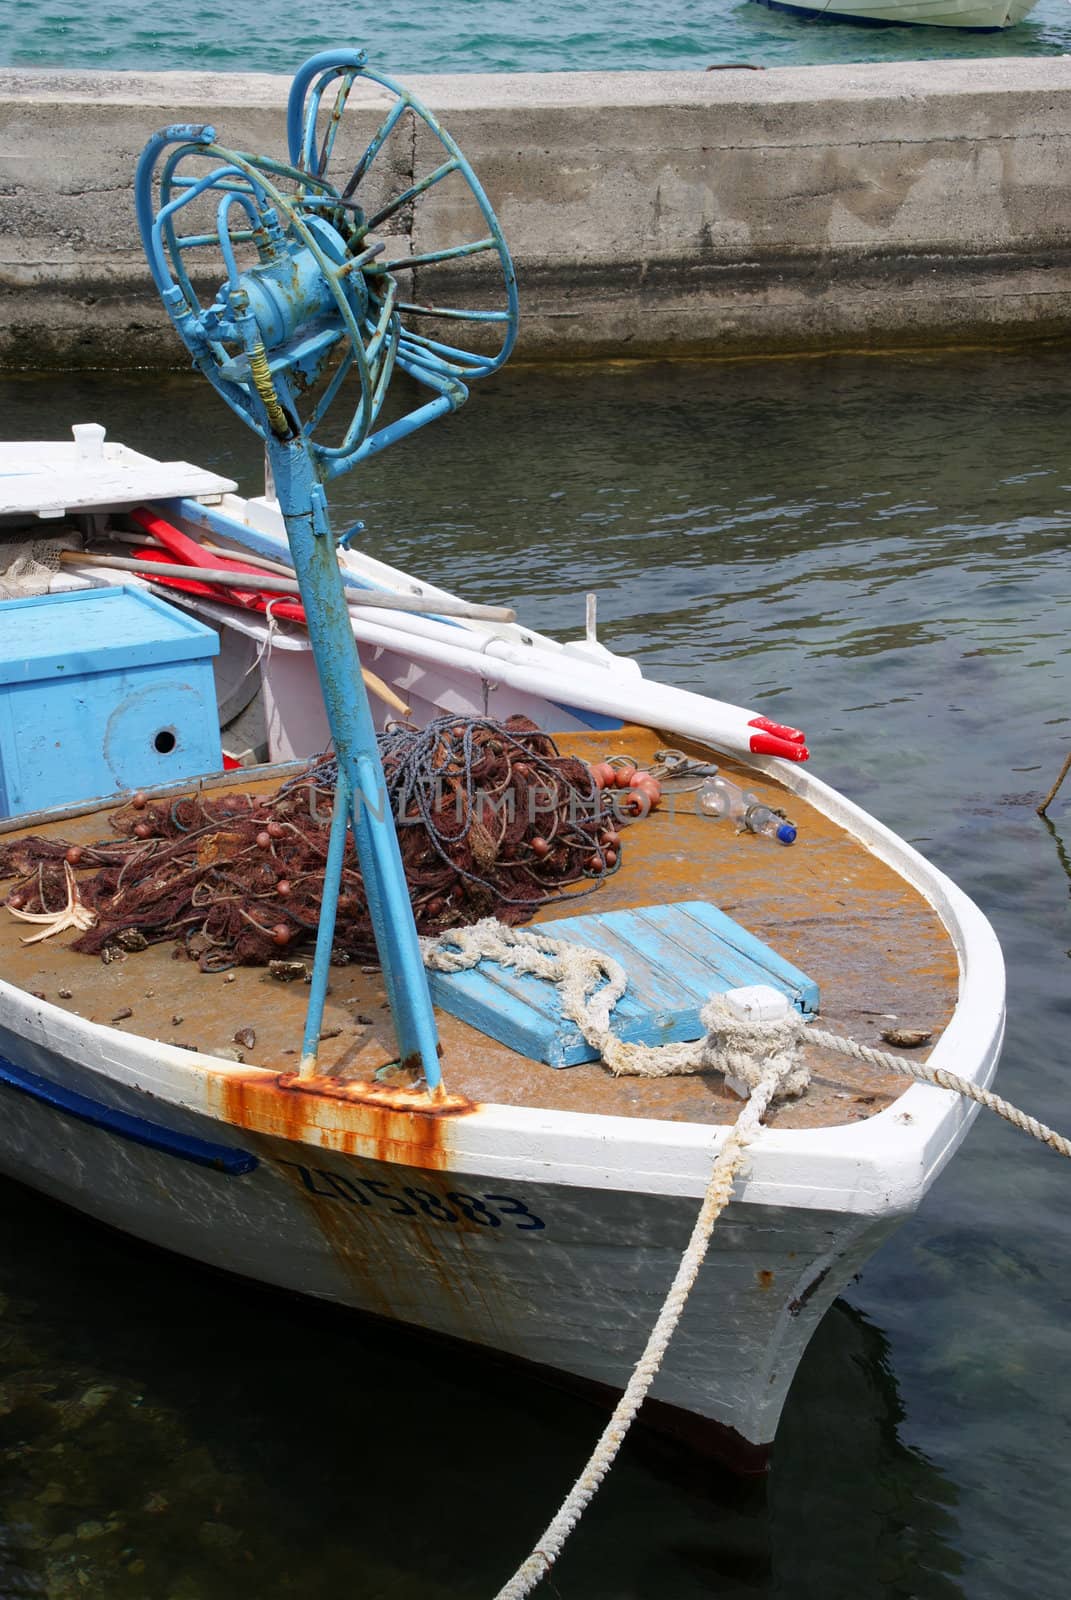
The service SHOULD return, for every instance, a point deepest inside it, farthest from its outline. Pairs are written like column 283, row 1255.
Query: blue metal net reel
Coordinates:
column 321, row 297
column 301, row 290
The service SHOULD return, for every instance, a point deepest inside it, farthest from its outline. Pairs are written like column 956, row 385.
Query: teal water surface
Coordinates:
column 876, row 551
column 482, row 35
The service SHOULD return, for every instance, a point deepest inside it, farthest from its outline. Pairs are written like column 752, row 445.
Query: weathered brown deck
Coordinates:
column 874, row 946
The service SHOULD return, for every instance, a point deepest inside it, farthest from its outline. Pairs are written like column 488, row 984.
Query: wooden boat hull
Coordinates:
column 562, row 1274
column 540, row 1220
column 547, row 1235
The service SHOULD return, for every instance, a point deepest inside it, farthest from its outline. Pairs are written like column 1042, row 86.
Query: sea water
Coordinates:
column 482, row 35
column 877, row 552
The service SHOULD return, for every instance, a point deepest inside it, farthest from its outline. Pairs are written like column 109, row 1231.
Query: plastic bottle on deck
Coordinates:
column 720, row 797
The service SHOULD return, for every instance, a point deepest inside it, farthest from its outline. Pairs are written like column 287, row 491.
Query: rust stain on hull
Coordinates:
column 383, row 1258
column 390, row 1257
column 397, row 1126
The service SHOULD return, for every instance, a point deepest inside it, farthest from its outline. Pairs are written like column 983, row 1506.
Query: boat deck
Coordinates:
column 877, row 950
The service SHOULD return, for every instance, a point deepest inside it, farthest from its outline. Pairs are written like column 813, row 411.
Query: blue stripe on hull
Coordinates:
column 221, row 1157
column 591, row 719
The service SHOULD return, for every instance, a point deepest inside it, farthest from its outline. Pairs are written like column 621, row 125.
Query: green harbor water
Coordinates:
column 484, row 35
column 876, row 551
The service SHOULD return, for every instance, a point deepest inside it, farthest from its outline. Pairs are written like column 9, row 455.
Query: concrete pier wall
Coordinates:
column 650, row 214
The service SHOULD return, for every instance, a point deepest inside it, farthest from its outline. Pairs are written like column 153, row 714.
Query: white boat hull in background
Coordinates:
column 989, row 15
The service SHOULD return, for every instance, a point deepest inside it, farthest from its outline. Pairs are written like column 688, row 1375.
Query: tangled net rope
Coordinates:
column 491, row 818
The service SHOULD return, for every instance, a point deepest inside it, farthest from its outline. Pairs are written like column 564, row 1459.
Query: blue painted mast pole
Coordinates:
column 313, row 297
column 325, row 928
column 362, row 785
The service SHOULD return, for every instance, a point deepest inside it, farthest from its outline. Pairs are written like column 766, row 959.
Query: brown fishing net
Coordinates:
column 491, row 818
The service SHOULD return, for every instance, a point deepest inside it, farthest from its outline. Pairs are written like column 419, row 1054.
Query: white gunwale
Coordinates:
column 882, row 1163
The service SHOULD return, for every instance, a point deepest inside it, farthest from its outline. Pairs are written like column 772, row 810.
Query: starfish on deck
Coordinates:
column 73, row 915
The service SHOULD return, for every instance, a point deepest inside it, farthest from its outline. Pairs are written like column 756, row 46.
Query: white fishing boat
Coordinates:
column 984, row 16
column 456, row 1159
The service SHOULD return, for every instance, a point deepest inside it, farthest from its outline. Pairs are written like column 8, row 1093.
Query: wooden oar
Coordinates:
column 373, row 681
column 378, row 599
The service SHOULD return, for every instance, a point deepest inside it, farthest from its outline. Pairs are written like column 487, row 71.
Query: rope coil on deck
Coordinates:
column 733, row 1046
column 765, row 1055
column 591, row 984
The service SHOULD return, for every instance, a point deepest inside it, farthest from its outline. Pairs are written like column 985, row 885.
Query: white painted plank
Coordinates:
column 46, row 478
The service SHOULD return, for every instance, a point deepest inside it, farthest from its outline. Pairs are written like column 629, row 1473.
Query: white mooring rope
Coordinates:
column 765, row 1055
column 731, row 1158
column 939, row 1078
column 591, row 984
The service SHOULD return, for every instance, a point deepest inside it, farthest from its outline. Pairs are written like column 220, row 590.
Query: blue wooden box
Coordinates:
column 675, row 957
column 101, row 690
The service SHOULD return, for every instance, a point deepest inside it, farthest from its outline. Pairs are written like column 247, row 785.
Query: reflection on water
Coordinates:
column 1063, row 855
column 875, row 551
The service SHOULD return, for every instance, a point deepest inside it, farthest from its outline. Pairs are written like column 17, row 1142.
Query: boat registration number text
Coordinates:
column 456, row 1206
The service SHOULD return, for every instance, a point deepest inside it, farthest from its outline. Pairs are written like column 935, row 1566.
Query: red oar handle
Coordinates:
column 282, row 606
column 765, row 744
column 778, row 729
column 189, row 553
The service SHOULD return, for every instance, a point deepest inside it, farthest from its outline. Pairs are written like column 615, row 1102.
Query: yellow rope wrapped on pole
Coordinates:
column 261, row 375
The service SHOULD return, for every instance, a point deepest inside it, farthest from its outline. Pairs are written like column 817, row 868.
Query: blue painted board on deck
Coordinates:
column 676, row 957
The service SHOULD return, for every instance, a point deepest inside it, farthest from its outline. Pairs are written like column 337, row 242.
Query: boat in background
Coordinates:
column 982, row 16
